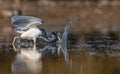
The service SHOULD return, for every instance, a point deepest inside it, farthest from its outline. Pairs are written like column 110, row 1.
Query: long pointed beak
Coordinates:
column 60, row 39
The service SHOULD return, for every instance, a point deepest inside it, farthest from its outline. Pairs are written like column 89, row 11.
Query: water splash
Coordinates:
column 64, row 49
column 64, row 43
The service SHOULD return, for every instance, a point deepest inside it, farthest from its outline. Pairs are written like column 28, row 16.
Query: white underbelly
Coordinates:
column 31, row 33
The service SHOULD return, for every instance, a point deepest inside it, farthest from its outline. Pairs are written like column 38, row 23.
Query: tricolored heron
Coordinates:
column 28, row 28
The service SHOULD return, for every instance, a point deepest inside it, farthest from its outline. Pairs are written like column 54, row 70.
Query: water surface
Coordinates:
column 88, row 54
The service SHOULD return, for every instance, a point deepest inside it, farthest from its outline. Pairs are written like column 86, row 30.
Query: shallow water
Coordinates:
column 89, row 54
column 77, row 65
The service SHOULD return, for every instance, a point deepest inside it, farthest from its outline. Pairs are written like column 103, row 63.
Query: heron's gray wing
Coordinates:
column 25, row 21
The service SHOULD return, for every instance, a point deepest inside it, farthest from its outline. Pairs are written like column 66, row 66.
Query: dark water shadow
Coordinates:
column 95, row 44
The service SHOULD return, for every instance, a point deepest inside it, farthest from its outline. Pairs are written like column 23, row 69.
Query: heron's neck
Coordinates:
column 51, row 38
column 47, row 38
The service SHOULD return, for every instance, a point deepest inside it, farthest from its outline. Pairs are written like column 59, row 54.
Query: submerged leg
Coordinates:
column 13, row 43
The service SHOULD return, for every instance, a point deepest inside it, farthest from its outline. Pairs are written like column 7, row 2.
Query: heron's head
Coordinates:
column 57, row 35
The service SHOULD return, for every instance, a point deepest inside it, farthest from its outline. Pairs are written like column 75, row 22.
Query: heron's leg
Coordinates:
column 34, row 48
column 34, row 39
column 13, row 43
column 15, row 39
column 19, row 44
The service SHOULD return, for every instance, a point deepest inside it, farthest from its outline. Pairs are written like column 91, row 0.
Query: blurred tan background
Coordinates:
column 86, row 15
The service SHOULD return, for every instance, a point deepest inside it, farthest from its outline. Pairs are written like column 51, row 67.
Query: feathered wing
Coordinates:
column 25, row 21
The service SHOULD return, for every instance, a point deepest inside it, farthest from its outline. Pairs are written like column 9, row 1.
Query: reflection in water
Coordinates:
column 22, row 65
column 64, row 43
column 29, row 60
